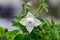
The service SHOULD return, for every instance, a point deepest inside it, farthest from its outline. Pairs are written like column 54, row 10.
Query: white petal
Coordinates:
column 29, row 27
column 36, row 22
column 29, row 15
column 23, row 21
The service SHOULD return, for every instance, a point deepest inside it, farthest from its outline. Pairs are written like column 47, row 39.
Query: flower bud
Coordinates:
column 27, row 9
column 29, row 4
column 23, row 5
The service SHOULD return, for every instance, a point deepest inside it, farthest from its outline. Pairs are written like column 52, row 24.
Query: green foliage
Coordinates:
column 45, row 31
column 43, row 6
column 2, row 30
column 10, row 35
column 21, row 36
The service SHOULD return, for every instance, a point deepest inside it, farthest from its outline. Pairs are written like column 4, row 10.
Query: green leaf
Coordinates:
column 19, row 37
column 23, row 28
column 14, row 23
column 52, row 21
column 53, row 25
column 20, row 16
column 42, row 20
column 6, row 30
column 2, row 30
column 11, row 34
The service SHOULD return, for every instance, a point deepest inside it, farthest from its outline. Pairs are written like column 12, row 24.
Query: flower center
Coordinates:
column 30, row 22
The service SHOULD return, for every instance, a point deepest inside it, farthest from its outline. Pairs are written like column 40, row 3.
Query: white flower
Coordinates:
column 30, row 22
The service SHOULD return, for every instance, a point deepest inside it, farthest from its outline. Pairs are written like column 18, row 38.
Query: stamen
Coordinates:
column 30, row 22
